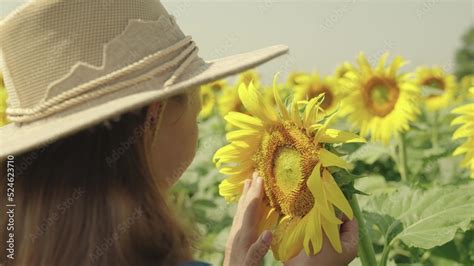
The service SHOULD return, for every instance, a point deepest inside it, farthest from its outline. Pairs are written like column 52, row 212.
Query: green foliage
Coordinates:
column 419, row 218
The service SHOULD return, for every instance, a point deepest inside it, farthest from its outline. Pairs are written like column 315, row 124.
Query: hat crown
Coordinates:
column 44, row 40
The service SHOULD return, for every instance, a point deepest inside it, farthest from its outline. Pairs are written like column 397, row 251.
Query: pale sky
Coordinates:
column 322, row 34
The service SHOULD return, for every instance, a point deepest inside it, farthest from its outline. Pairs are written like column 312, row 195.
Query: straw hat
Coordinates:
column 69, row 65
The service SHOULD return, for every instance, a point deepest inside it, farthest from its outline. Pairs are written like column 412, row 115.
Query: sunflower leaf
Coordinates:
column 382, row 226
column 429, row 218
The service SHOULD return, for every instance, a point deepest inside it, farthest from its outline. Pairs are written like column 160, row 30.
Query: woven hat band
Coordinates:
column 181, row 54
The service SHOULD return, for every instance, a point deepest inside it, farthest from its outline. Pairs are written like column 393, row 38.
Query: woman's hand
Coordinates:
column 244, row 246
column 328, row 256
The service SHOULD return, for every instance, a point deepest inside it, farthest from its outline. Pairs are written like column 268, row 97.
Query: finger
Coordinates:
column 253, row 203
column 256, row 189
column 350, row 238
column 242, row 199
column 247, row 185
column 254, row 175
column 258, row 249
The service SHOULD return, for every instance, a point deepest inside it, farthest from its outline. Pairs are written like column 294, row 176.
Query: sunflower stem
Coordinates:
column 402, row 158
column 366, row 250
column 434, row 130
column 385, row 252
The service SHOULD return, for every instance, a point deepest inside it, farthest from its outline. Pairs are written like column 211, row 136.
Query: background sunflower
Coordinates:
column 313, row 85
column 438, row 88
column 382, row 102
column 466, row 131
column 208, row 101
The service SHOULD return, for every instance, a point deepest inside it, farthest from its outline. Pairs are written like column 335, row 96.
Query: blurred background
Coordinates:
column 322, row 34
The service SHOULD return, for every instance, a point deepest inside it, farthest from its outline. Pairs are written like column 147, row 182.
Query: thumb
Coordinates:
column 350, row 238
column 258, row 249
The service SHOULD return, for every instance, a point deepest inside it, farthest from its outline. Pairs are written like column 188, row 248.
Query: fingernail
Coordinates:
column 267, row 237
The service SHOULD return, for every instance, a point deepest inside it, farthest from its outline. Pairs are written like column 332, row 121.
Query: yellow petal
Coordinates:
column 315, row 185
column 242, row 134
column 335, row 195
column 292, row 242
column 243, row 121
column 295, row 113
column 312, row 109
column 330, row 159
column 230, row 191
column 314, row 234
column 338, row 136
column 332, row 232
column 381, row 64
column 397, row 63
column 252, row 100
column 269, row 219
column 281, row 107
column 364, row 64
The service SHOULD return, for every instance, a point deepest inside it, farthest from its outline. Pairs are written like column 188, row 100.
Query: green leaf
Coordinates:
column 383, row 225
column 369, row 153
column 430, row 218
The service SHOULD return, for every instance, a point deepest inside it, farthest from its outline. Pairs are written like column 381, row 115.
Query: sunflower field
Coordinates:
column 390, row 144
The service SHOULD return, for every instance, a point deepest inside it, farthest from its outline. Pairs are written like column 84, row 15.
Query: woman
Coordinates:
column 103, row 100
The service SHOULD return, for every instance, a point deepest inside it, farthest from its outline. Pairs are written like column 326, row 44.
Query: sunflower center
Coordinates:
column 287, row 170
column 328, row 96
column 436, row 86
column 285, row 159
column 381, row 95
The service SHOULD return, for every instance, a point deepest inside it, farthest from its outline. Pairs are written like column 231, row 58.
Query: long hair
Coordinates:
column 91, row 199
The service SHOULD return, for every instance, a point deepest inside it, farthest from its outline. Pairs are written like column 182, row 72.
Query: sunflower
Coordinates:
column 292, row 79
column 289, row 149
column 466, row 130
column 438, row 88
column 249, row 76
column 343, row 69
column 3, row 102
column 381, row 102
column 466, row 84
column 208, row 100
column 339, row 74
column 218, row 85
column 268, row 97
column 312, row 85
column 229, row 101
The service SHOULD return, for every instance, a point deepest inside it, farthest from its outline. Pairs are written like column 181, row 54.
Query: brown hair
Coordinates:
column 91, row 199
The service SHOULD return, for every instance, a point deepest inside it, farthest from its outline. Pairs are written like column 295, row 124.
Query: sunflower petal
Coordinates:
column 315, row 185
column 281, row 107
column 338, row 136
column 332, row 232
column 330, row 159
column 252, row 100
column 230, row 191
column 314, row 234
column 335, row 195
column 244, row 121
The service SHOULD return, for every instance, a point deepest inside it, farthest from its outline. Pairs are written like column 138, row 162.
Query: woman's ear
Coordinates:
column 154, row 115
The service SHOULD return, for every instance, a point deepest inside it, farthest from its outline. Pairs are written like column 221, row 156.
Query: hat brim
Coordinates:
column 18, row 138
